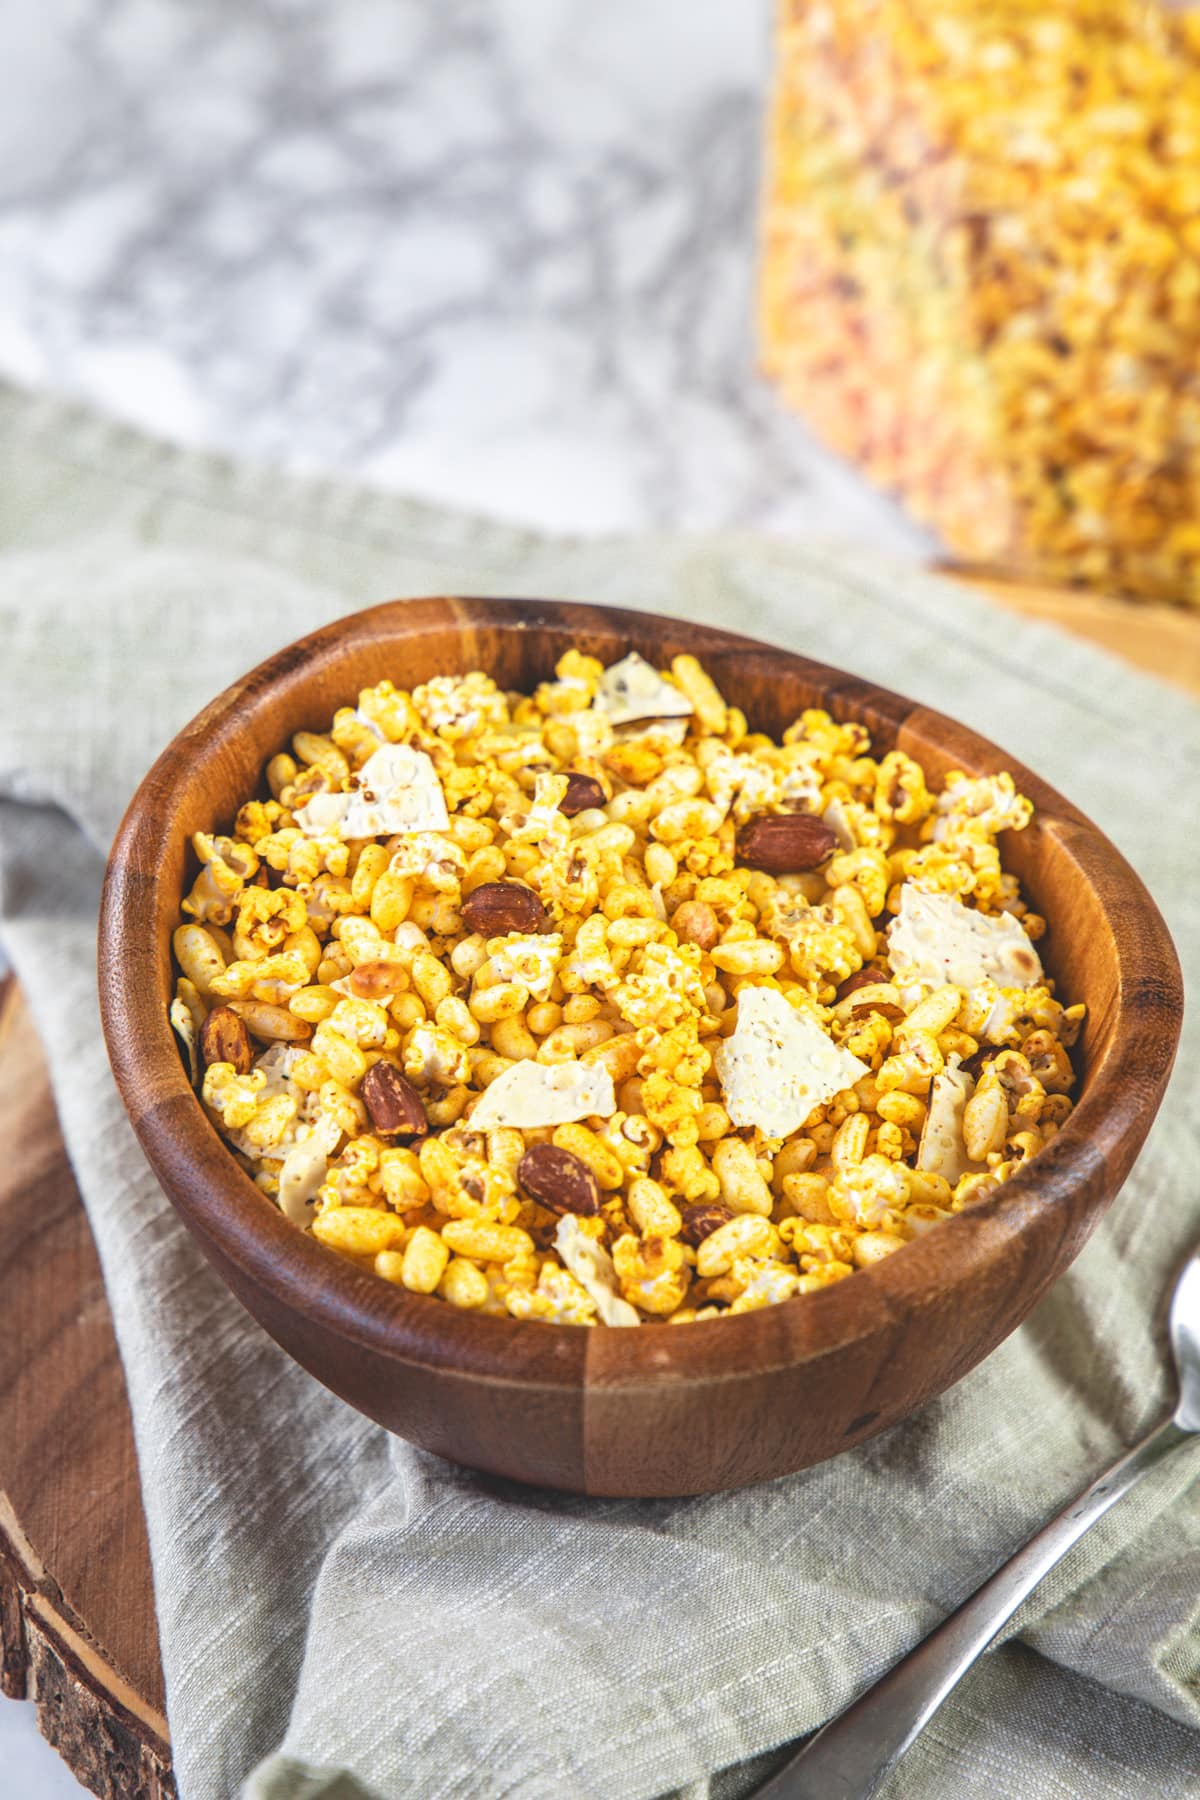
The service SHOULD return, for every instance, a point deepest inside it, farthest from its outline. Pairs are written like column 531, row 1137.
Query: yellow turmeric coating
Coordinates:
column 338, row 956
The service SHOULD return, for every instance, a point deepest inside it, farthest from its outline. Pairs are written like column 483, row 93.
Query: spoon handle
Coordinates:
column 849, row 1757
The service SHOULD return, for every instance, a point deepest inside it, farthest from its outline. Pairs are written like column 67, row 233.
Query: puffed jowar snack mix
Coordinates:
column 595, row 1006
column 981, row 272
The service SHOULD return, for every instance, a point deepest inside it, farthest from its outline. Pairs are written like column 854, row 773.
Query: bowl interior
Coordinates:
column 302, row 693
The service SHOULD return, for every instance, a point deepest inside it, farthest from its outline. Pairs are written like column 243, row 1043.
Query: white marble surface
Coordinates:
column 493, row 252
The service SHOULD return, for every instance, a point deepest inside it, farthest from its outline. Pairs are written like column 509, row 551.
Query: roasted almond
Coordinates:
column 498, row 907
column 701, row 1220
column 583, row 792
column 224, row 1039
column 558, row 1180
column 394, row 1104
column 785, row 843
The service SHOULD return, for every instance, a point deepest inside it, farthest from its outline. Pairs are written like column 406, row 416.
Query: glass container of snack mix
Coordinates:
column 981, row 272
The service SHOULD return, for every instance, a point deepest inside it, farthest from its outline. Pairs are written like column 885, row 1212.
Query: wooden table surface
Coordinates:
column 77, row 1628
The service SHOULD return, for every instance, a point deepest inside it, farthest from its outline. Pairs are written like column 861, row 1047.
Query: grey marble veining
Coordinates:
column 494, row 252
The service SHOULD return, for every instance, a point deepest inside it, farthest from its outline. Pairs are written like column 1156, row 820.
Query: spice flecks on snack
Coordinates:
column 304, row 1169
column 592, row 1267
column 936, row 939
column 532, row 1094
column 632, row 690
column 530, row 959
column 779, row 1065
column 679, row 1046
column 396, row 790
column 942, row 1150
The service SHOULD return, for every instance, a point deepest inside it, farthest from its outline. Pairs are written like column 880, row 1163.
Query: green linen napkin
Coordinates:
column 344, row 1615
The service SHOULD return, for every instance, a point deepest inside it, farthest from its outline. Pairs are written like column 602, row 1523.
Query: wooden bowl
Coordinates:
column 657, row 1411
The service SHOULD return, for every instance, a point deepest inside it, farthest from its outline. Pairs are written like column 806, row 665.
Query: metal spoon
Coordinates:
column 849, row 1757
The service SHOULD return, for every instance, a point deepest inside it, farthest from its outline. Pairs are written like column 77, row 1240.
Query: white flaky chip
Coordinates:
column 396, row 790
column 304, row 1169
column 184, row 1027
column 943, row 1150
column 659, row 734
column 631, row 689
column 779, row 1065
column 838, row 822
column 935, row 940
column 532, row 1094
column 277, row 1064
column 592, row 1267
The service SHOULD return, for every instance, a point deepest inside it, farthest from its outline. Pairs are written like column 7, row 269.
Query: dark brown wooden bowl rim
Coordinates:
column 222, row 1204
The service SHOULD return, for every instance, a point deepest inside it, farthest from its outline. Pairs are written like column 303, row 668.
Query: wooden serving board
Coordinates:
column 1161, row 640
column 77, row 1627
column 77, row 1630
